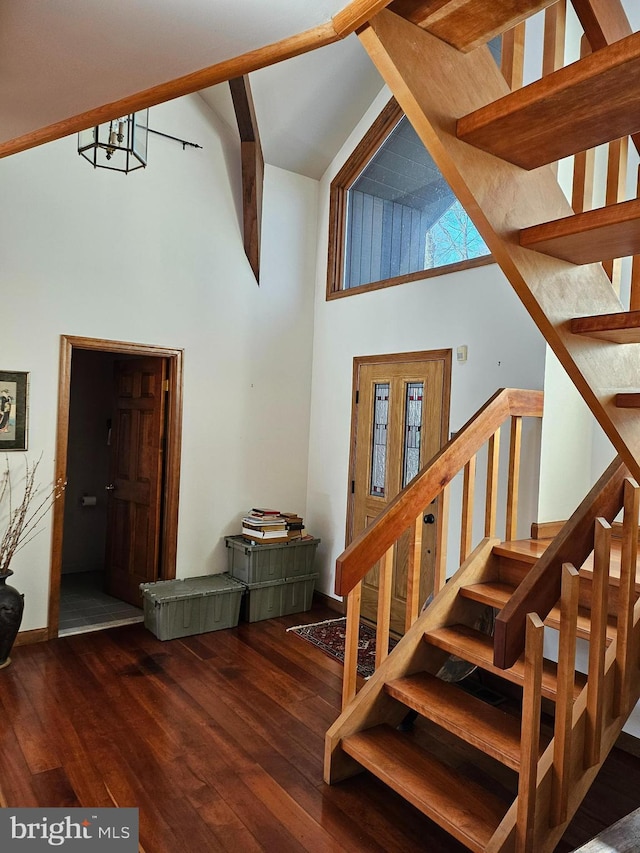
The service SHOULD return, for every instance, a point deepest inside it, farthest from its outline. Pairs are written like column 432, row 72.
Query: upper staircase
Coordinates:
column 497, row 149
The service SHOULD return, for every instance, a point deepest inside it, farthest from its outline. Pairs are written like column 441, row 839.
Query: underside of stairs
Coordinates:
column 477, row 130
column 498, row 149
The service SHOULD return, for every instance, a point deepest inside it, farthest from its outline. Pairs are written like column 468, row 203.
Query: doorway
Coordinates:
column 118, row 449
column 400, row 421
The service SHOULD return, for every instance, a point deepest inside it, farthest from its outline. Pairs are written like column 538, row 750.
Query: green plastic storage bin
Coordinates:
column 180, row 608
column 261, row 563
column 277, row 598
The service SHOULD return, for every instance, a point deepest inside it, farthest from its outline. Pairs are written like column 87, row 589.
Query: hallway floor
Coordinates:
column 85, row 607
column 218, row 739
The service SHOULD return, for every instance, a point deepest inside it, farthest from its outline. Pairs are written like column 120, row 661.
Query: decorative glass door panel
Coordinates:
column 401, row 422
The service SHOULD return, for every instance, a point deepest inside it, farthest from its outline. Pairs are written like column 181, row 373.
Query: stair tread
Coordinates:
column 623, row 327
column 477, row 648
column 525, row 550
column 528, row 551
column 576, row 108
column 467, row 25
column 497, row 593
column 494, row 593
column 628, row 400
column 468, row 812
column 588, row 237
column 484, row 726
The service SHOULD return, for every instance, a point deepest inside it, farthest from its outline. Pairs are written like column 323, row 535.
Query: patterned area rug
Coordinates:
column 330, row 637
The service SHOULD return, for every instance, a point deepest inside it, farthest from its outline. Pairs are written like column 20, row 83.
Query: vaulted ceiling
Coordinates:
column 70, row 63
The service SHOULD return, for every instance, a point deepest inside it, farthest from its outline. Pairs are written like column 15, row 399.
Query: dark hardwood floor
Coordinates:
column 218, row 740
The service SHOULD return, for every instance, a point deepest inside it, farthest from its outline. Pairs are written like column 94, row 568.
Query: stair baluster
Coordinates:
column 530, row 737
column 598, row 643
column 468, row 490
column 626, row 599
column 384, row 606
column 564, row 702
column 377, row 542
column 413, row 574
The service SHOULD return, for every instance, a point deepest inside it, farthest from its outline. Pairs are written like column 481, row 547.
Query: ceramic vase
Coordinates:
column 11, row 608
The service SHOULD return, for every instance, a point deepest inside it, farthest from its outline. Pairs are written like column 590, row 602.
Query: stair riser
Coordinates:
column 511, row 570
column 476, row 648
column 585, row 596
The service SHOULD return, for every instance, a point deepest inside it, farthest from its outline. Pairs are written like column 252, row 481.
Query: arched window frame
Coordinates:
column 346, row 177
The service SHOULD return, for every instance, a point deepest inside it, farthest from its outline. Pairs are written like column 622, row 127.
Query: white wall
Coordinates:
column 476, row 307
column 157, row 257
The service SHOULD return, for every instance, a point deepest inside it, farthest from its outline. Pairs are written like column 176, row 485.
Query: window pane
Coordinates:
column 402, row 217
column 379, row 440
column 412, row 427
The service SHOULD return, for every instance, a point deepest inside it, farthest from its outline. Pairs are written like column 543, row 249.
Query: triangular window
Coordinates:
column 394, row 217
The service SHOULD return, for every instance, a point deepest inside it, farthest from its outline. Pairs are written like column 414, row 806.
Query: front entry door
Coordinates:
column 401, row 421
column 136, row 464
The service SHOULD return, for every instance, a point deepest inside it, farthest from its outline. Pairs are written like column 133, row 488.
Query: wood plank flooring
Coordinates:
column 218, row 740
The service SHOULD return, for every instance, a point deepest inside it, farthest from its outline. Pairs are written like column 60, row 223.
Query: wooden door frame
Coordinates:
column 169, row 534
column 444, row 355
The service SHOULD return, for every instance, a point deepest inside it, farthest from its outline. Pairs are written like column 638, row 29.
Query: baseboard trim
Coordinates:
column 26, row 638
column 332, row 603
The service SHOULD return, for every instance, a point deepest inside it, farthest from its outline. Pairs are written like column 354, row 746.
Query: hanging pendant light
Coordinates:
column 119, row 144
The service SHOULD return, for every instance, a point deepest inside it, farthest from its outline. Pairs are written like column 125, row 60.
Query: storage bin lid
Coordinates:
column 282, row 581
column 174, row 590
column 264, row 545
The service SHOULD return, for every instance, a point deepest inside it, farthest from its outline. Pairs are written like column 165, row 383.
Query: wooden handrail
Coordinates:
column 373, row 542
column 540, row 590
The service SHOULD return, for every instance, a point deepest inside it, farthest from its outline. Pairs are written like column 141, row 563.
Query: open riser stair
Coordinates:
column 497, row 143
column 584, row 711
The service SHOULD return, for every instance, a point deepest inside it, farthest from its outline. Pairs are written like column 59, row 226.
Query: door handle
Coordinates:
column 429, row 518
column 110, row 488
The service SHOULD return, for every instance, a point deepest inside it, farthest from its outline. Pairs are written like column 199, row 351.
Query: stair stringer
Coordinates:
column 372, row 705
column 546, row 837
column 436, row 85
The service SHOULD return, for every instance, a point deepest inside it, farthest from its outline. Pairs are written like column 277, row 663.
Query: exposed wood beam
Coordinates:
column 466, row 24
column 357, row 13
column 354, row 15
column 186, row 85
column 252, row 169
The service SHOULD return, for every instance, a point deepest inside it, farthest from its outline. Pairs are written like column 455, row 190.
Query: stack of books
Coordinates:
column 295, row 525
column 271, row 526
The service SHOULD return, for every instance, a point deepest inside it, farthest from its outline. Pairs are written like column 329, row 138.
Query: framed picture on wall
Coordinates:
column 13, row 409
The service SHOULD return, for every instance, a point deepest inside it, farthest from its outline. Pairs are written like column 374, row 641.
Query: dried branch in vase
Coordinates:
column 22, row 522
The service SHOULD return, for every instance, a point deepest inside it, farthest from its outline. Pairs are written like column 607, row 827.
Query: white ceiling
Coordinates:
column 307, row 106
column 59, row 58
column 62, row 58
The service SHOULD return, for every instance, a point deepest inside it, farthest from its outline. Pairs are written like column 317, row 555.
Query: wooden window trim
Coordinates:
column 340, row 185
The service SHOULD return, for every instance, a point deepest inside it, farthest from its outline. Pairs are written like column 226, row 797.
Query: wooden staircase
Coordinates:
column 547, row 782
column 496, row 148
